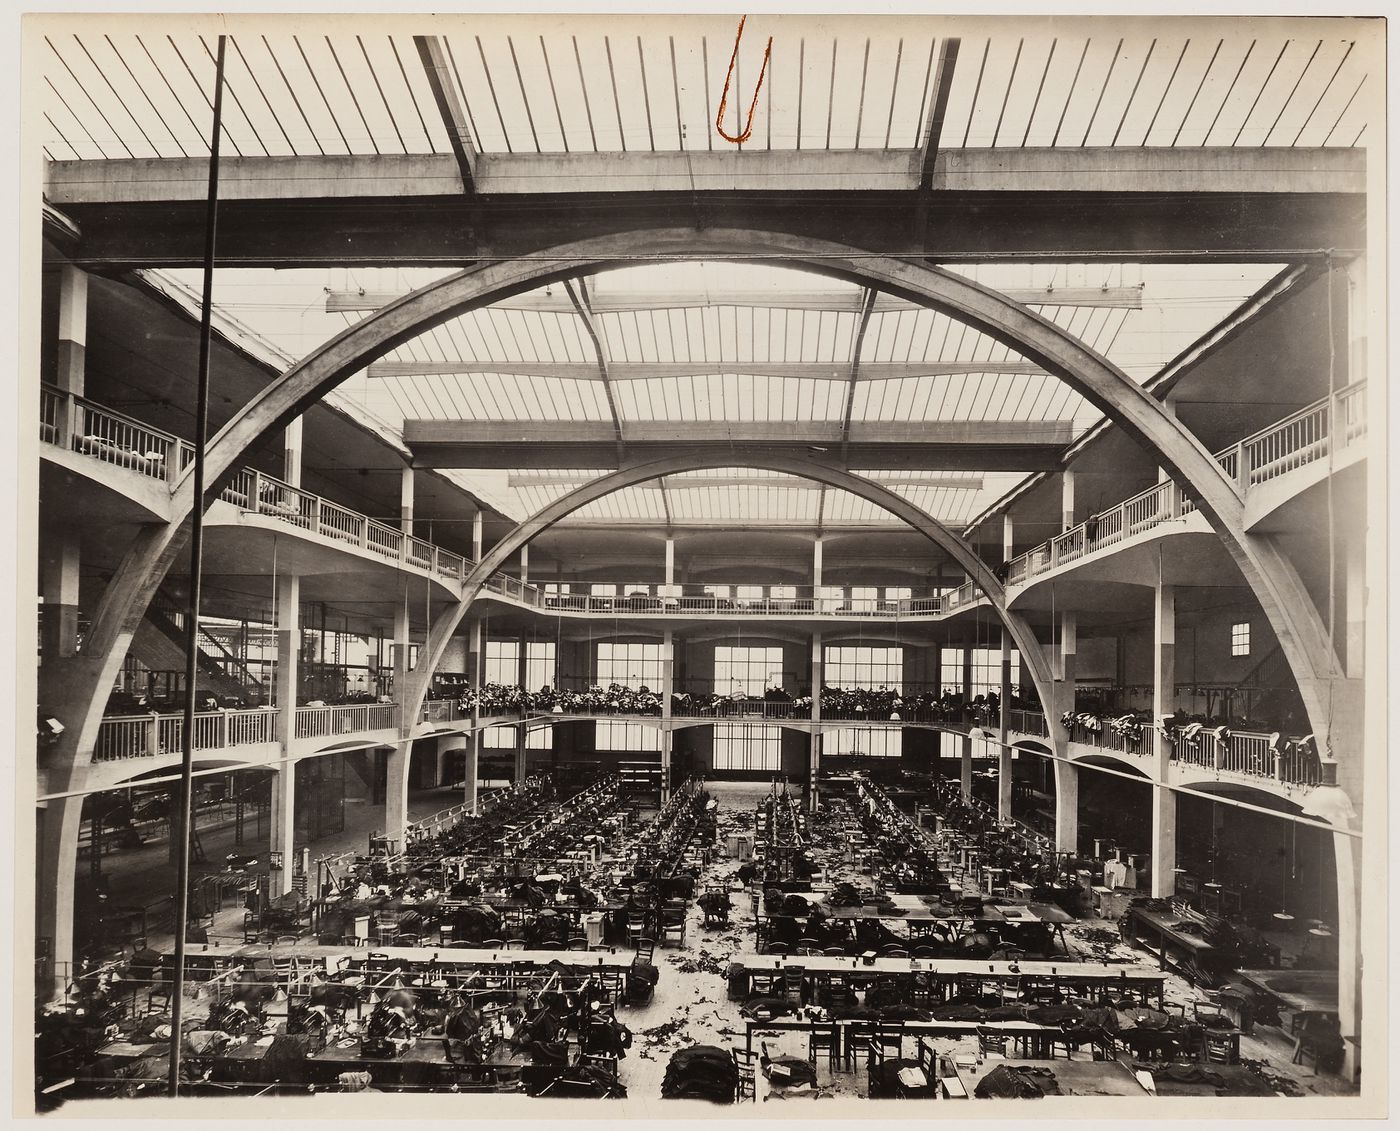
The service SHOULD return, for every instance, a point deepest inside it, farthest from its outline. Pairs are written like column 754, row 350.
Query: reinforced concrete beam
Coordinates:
column 1157, row 171
column 840, row 302
column 642, row 371
column 786, row 482
column 872, row 446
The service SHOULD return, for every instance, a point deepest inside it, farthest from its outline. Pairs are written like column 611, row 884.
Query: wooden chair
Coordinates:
column 646, row 949
column 283, row 971
column 605, row 1064
column 808, row 946
column 794, row 978
column 765, row 983
column 577, row 944
column 991, row 1044
column 252, row 930
column 928, row 1068
column 493, row 944
column 835, row 952
column 778, row 950
column 746, row 1064
column 893, row 951
column 858, row 1038
column 516, row 944
column 825, row 1039
column 890, row 1038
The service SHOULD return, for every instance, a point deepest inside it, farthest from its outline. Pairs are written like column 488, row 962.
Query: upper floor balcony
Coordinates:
column 137, row 744
column 711, row 601
column 99, row 434
column 1268, row 467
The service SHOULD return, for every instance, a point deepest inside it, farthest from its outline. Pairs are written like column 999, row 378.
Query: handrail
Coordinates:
column 1299, row 439
column 94, row 430
column 150, row 736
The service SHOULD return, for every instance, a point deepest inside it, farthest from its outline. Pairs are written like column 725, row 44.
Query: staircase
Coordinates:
column 159, row 643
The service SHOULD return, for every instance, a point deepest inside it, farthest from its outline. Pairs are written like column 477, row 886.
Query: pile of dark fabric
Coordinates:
column 700, row 1072
column 585, row 1081
column 641, row 981
column 784, row 1071
column 1016, row 1082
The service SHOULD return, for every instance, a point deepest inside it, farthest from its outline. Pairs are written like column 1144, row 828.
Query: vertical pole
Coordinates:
column 182, row 870
column 1003, row 747
column 670, row 561
column 668, row 682
column 814, row 757
column 1163, row 703
column 476, row 537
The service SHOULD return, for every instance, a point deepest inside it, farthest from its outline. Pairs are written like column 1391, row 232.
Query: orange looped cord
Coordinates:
column 724, row 96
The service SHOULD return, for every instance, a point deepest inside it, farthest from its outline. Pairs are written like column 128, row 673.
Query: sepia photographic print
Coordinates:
column 733, row 566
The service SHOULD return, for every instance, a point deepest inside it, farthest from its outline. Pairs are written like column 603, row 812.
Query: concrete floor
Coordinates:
column 691, row 1005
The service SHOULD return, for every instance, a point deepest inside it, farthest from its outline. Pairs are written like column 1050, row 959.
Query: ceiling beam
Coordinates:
column 431, row 50
column 937, row 110
column 521, row 479
column 870, row 445
column 1155, row 171
column 579, row 298
column 841, row 302
column 843, row 526
column 857, row 340
column 643, row 371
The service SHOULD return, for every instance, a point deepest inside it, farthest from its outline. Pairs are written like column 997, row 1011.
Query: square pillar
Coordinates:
column 406, row 499
column 401, row 648
column 1066, row 806
column 1008, row 538
column 817, row 562
column 1163, row 704
column 1067, row 500
column 521, row 734
column 670, row 561
column 283, row 830
column 286, row 685
column 60, row 588
column 1069, row 647
column 524, row 565
column 476, row 537
column 966, row 674
column 965, row 775
column 1003, row 748
column 71, row 345
column 292, row 453
column 668, row 683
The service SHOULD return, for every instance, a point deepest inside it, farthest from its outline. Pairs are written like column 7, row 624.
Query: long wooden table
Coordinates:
column 1021, row 1029
column 1087, row 974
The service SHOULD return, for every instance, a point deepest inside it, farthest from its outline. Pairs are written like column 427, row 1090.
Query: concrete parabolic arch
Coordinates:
column 71, row 688
column 680, row 461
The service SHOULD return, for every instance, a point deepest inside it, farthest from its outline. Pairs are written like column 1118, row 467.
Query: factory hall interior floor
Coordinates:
column 691, row 1005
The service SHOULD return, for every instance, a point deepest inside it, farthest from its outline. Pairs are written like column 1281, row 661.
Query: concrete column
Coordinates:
column 1347, row 851
column 1066, row 807
column 60, row 588
column 473, row 747
column 291, row 453
column 966, row 673
column 59, row 822
column 1067, row 521
column 71, row 346
column 1163, row 704
column 524, row 565
column 520, row 733
column 1355, row 597
column 966, row 767
column 670, row 561
column 476, row 537
column 668, row 683
column 814, row 748
column 401, row 647
column 283, row 827
column 1007, row 538
column 1004, row 750
column 406, row 499
column 286, row 684
column 817, row 561
column 1069, row 647
column 936, row 668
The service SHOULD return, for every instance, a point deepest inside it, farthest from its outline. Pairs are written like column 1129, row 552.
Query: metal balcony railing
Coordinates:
column 150, row 736
column 1303, row 438
column 646, row 598
column 92, row 430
